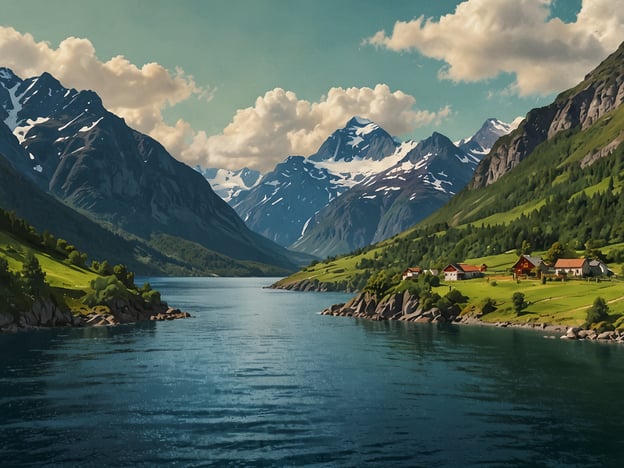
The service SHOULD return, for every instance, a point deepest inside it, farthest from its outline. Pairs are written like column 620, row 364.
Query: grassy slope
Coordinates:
column 58, row 273
column 529, row 187
column 554, row 302
column 68, row 282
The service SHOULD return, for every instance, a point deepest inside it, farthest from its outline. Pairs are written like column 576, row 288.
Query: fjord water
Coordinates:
column 258, row 378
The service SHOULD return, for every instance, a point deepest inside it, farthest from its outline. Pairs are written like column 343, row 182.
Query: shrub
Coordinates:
column 148, row 294
column 598, row 312
column 378, row 284
column 487, row 305
column 456, row 297
column 76, row 258
column 518, row 301
column 105, row 289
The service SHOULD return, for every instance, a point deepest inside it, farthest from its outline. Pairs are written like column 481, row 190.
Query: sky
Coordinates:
column 245, row 83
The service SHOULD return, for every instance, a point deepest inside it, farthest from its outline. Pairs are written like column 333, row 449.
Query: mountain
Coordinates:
column 228, row 184
column 482, row 142
column 361, row 186
column 599, row 93
column 286, row 199
column 566, row 190
column 281, row 205
column 389, row 202
column 92, row 161
column 359, row 139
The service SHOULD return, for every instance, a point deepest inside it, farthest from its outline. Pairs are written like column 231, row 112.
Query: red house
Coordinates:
column 526, row 264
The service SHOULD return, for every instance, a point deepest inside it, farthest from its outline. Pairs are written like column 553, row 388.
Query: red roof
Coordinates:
column 570, row 263
column 414, row 270
column 469, row 268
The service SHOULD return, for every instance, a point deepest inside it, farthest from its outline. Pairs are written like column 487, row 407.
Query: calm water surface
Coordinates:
column 258, row 378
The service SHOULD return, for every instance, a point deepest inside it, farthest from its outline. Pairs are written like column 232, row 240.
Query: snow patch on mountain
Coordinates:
column 228, row 184
column 21, row 131
column 87, row 128
column 16, row 106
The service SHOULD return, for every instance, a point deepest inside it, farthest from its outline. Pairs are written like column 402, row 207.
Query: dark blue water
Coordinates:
column 258, row 378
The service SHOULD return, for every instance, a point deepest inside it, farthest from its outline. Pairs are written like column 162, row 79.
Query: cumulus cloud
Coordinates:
column 138, row 94
column 281, row 124
column 483, row 39
column 277, row 125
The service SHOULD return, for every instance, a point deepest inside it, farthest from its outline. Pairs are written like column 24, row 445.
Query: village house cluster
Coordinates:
column 526, row 266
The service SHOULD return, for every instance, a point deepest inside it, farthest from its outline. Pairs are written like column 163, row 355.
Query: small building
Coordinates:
column 527, row 264
column 462, row 271
column 578, row 267
column 412, row 272
column 598, row 268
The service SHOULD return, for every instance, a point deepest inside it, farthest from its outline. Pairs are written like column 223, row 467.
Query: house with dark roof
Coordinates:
column 462, row 271
column 598, row 268
column 577, row 267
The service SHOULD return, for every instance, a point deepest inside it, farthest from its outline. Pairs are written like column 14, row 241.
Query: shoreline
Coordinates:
column 406, row 308
column 44, row 314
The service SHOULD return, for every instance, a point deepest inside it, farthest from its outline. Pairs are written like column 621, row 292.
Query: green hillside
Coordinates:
column 564, row 191
column 39, row 267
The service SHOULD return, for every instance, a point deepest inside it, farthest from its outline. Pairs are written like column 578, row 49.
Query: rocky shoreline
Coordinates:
column 307, row 285
column 46, row 314
column 406, row 308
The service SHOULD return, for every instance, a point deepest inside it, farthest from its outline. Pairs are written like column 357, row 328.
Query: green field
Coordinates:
column 68, row 283
column 554, row 302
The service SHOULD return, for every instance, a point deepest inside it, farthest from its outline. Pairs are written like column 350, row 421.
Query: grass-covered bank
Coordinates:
column 47, row 282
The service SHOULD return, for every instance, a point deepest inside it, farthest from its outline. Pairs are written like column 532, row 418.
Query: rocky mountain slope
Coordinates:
column 391, row 201
column 388, row 202
column 309, row 204
column 92, row 161
column 281, row 205
column 599, row 93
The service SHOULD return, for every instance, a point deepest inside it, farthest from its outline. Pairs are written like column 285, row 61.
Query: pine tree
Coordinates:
column 33, row 277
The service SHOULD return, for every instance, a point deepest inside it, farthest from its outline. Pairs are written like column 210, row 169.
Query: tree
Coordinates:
column 519, row 304
column 33, row 277
column 598, row 312
column 557, row 251
column 378, row 284
column 125, row 276
column 5, row 273
column 77, row 259
column 525, row 249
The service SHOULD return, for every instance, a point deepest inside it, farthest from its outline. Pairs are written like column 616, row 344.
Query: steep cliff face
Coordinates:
column 599, row 93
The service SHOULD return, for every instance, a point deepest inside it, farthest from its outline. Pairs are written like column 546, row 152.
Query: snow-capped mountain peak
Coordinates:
column 483, row 140
column 227, row 183
column 359, row 139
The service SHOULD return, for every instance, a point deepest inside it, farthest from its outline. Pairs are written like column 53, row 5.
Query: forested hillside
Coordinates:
column 567, row 190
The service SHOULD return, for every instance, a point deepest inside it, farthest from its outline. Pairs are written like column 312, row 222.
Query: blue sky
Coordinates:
column 246, row 82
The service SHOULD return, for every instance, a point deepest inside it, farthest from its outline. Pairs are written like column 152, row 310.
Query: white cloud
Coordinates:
column 484, row 38
column 280, row 124
column 138, row 94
